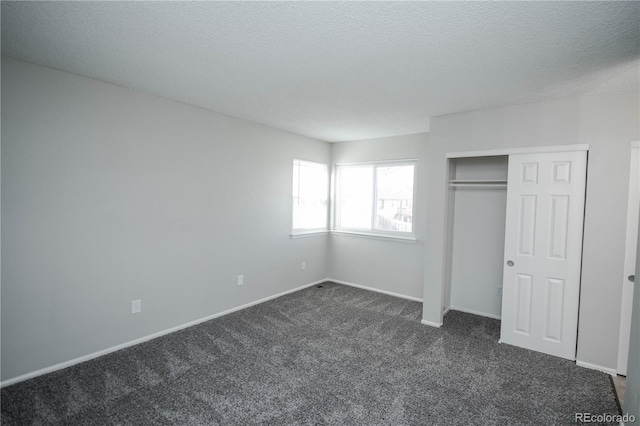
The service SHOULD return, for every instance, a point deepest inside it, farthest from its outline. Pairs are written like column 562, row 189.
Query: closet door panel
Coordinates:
column 558, row 229
column 523, row 304
column 554, row 309
column 527, row 225
column 543, row 241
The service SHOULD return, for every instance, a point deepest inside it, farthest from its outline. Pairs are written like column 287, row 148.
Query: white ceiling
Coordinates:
column 337, row 70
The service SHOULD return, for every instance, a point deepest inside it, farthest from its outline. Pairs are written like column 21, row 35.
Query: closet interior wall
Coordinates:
column 477, row 217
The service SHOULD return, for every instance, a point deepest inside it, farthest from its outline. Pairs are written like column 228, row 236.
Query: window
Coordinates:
column 375, row 198
column 310, row 190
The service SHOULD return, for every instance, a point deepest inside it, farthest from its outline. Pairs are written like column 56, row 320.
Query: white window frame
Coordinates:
column 372, row 232
column 307, row 232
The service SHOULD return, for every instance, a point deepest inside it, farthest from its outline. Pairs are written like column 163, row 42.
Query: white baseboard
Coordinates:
column 445, row 311
column 377, row 290
column 431, row 323
column 106, row 351
column 611, row 371
column 471, row 311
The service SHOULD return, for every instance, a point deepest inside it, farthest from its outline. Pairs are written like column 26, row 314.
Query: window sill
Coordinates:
column 400, row 238
column 305, row 234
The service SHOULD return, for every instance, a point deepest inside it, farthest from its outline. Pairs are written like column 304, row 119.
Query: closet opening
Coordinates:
column 477, row 201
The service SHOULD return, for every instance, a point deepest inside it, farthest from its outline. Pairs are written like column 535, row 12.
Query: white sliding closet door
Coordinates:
column 543, row 251
column 633, row 212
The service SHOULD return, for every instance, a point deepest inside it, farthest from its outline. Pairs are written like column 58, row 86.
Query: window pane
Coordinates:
column 394, row 204
column 355, row 197
column 310, row 187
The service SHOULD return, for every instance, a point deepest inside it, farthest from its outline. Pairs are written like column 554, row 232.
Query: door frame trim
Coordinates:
column 513, row 151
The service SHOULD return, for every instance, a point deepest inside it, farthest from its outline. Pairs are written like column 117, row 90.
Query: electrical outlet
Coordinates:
column 136, row 306
column 240, row 279
column 499, row 291
column 304, row 266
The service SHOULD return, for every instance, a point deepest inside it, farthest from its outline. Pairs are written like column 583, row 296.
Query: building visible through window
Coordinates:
column 375, row 197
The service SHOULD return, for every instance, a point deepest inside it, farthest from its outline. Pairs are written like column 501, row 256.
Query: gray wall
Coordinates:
column 388, row 265
column 109, row 195
column 608, row 123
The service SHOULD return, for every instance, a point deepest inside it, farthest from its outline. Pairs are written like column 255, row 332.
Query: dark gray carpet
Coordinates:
column 330, row 355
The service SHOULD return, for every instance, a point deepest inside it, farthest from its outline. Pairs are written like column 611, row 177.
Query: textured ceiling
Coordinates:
column 336, row 70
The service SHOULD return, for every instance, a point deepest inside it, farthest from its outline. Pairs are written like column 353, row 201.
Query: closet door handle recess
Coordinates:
column 632, row 278
column 510, row 263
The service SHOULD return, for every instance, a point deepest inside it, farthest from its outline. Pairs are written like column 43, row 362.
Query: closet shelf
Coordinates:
column 478, row 183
